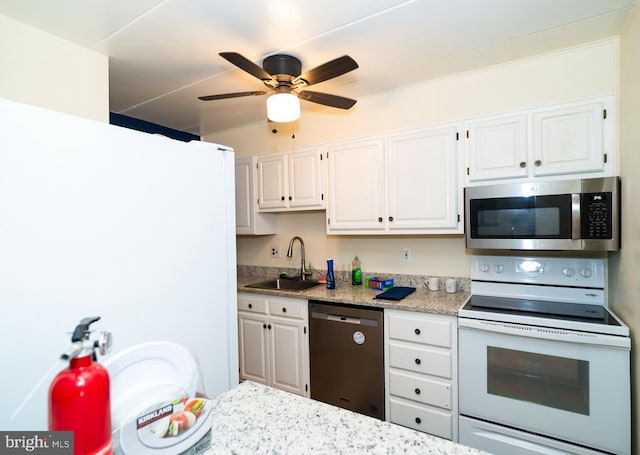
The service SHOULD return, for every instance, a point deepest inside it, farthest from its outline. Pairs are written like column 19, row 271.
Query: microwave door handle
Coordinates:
column 575, row 216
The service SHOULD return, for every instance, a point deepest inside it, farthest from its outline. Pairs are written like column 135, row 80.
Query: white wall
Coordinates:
column 574, row 73
column 43, row 70
column 624, row 266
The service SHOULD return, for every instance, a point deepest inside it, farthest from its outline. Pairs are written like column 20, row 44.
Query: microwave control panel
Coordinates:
column 595, row 216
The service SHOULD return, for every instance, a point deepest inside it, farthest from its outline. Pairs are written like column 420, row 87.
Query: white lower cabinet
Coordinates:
column 273, row 341
column 421, row 373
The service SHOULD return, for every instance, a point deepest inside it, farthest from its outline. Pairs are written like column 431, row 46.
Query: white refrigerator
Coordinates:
column 98, row 220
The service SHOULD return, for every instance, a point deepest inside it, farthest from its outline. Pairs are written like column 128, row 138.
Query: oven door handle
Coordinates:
column 545, row 333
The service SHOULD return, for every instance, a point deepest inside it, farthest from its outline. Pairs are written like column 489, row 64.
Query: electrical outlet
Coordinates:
column 275, row 252
column 406, row 254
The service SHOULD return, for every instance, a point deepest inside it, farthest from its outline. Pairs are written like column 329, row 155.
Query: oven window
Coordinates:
column 557, row 382
column 536, row 217
column 542, row 222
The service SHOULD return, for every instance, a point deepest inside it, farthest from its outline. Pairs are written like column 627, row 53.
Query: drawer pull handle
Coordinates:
column 284, row 310
column 418, row 420
column 418, row 362
column 250, row 305
column 417, row 391
column 417, row 331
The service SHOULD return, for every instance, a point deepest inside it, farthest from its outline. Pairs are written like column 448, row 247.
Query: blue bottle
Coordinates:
column 331, row 278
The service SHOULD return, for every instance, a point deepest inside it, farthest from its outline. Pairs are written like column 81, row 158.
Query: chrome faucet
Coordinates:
column 303, row 271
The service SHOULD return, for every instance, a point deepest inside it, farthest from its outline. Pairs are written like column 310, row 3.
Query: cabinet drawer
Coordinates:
column 421, row 418
column 420, row 330
column 420, row 359
column 252, row 305
column 422, row 389
column 286, row 309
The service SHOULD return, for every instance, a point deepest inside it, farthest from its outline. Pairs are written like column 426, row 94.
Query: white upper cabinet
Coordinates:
column 306, row 180
column 422, row 187
column 291, row 181
column 356, row 186
column 497, row 148
column 572, row 138
column 273, row 181
column 404, row 183
column 575, row 138
column 248, row 220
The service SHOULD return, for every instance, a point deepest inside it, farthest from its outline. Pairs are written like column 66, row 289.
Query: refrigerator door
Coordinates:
column 100, row 220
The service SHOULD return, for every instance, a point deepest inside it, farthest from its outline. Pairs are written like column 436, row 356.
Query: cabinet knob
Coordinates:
column 417, row 331
column 269, row 326
column 538, row 162
column 379, row 219
column 264, row 326
column 523, row 164
column 418, row 362
column 282, row 198
column 390, row 218
column 290, row 198
column 284, row 309
column 417, row 391
column 418, row 420
column 250, row 305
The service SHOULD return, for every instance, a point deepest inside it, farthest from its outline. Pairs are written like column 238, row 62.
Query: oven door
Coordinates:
column 568, row 385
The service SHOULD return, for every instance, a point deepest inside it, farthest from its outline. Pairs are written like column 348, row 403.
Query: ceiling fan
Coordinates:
column 282, row 74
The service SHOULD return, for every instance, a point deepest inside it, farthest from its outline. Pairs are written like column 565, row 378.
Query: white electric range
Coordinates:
column 544, row 363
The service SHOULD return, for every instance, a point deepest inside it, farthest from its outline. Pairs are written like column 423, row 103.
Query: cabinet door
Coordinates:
column 248, row 220
column 305, row 179
column 497, row 148
column 287, row 366
column 244, row 195
column 569, row 139
column 253, row 347
column 272, row 182
column 356, row 186
column 422, row 186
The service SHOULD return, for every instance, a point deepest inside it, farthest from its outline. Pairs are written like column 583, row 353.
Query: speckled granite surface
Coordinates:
column 256, row 419
column 422, row 300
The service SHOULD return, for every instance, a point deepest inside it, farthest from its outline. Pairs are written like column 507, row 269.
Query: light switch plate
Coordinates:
column 406, row 254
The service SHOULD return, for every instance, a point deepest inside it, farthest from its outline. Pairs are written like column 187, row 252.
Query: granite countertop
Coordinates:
column 422, row 300
column 255, row 419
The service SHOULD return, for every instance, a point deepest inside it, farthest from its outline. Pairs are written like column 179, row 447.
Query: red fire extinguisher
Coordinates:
column 79, row 394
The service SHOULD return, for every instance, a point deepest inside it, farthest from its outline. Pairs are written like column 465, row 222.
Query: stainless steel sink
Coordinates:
column 284, row 284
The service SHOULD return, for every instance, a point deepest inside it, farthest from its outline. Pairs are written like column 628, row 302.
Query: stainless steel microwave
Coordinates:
column 581, row 214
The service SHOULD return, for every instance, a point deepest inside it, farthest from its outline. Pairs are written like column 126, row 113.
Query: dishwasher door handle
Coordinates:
column 343, row 318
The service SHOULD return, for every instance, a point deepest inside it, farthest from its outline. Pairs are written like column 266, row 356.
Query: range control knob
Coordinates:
column 586, row 272
column 568, row 271
column 499, row 268
column 485, row 267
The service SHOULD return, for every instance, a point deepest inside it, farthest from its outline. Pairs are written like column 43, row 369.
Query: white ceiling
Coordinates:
column 164, row 53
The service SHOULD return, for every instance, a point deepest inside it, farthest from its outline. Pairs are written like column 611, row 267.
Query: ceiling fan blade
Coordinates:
column 329, row 70
column 247, row 65
column 327, row 99
column 230, row 95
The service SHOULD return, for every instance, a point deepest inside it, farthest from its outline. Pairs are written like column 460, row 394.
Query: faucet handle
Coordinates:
column 305, row 272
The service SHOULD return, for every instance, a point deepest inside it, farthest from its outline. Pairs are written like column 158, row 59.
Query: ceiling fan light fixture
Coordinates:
column 283, row 107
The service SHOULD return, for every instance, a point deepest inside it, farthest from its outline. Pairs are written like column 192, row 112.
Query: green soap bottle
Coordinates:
column 356, row 272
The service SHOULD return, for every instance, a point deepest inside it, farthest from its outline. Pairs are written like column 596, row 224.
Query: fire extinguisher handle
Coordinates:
column 82, row 328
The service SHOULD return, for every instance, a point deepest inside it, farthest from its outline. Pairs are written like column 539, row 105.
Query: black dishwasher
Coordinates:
column 347, row 356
